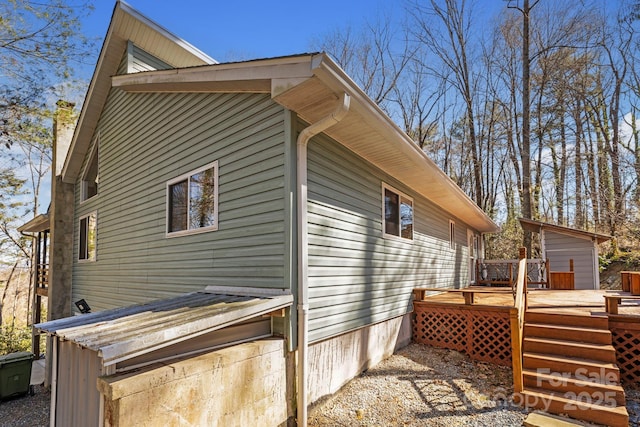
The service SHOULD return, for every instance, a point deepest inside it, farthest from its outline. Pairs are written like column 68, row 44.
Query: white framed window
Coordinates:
column 87, row 237
column 192, row 202
column 91, row 176
column 397, row 211
column 452, row 234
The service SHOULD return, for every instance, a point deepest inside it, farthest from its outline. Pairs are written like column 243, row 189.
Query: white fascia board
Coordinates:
column 330, row 73
column 286, row 71
column 166, row 33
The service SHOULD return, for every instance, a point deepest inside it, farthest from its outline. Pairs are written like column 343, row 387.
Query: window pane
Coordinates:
column 91, row 180
column 202, row 199
column 452, row 234
column 406, row 218
column 178, row 206
column 82, row 250
column 91, row 237
column 90, row 176
column 87, row 240
column 391, row 213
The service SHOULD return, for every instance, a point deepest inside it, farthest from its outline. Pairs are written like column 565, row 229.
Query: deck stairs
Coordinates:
column 569, row 367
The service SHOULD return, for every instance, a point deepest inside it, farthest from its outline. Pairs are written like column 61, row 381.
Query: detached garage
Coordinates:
column 561, row 244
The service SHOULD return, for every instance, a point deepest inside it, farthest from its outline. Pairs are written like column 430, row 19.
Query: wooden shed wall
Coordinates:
column 146, row 140
column 560, row 248
column 357, row 277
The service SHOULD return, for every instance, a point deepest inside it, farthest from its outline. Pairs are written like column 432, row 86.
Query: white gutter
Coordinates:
column 303, row 252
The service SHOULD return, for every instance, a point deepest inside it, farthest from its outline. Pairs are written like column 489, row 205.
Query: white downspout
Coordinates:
column 303, row 252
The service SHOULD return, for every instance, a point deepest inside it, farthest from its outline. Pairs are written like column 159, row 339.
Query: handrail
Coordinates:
column 517, row 322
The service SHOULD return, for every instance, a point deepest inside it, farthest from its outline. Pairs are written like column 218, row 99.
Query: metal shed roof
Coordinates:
column 123, row 333
column 537, row 226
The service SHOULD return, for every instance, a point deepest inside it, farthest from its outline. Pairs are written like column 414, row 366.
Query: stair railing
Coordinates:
column 517, row 321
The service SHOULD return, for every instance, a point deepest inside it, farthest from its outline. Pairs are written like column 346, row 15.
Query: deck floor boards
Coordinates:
column 585, row 302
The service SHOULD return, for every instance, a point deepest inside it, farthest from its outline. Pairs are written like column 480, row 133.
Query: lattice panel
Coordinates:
column 441, row 328
column 491, row 337
column 483, row 335
column 627, row 345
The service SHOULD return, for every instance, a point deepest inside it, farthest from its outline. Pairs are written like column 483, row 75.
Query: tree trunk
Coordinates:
column 525, row 154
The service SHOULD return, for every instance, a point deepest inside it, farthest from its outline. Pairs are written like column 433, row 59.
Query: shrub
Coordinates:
column 15, row 338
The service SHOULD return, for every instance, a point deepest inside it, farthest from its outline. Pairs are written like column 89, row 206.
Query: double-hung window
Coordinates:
column 192, row 202
column 398, row 213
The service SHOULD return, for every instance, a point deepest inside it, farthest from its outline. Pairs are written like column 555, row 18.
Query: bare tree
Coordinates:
column 444, row 27
column 371, row 56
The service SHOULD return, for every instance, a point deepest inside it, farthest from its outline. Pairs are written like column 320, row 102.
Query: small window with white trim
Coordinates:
column 87, row 237
column 398, row 213
column 192, row 202
column 90, row 176
column 452, row 234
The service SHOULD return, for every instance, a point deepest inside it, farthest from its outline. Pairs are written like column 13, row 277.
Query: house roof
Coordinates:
column 308, row 84
column 126, row 24
column 538, row 226
column 38, row 223
column 311, row 85
column 124, row 333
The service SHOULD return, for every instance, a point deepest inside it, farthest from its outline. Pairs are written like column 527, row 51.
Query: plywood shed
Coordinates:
column 89, row 346
column 561, row 244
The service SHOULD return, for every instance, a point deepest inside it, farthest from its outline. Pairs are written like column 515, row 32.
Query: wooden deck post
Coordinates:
column 516, row 351
column 516, row 317
column 547, row 269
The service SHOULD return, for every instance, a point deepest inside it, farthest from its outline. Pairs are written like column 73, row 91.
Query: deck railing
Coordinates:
column 505, row 271
column 517, row 321
column 42, row 279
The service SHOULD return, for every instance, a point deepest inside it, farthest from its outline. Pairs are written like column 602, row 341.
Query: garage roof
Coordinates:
column 123, row 333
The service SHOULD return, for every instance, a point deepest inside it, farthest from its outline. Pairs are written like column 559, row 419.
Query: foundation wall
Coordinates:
column 335, row 361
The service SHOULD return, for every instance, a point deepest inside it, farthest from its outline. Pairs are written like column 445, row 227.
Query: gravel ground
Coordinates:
column 633, row 404
column 423, row 386
column 417, row 386
column 27, row 411
column 426, row 386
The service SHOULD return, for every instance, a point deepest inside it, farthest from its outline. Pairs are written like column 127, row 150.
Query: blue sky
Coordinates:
column 230, row 30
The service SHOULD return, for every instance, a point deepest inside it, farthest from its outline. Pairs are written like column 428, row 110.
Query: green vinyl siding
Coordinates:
column 146, row 140
column 357, row 277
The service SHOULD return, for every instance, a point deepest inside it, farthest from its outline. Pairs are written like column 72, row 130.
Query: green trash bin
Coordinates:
column 15, row 374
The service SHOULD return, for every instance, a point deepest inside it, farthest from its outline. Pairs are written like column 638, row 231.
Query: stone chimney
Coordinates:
column 63, row 127
column 61, row 218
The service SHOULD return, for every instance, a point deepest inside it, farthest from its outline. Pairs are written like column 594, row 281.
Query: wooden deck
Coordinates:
column 585, row 302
